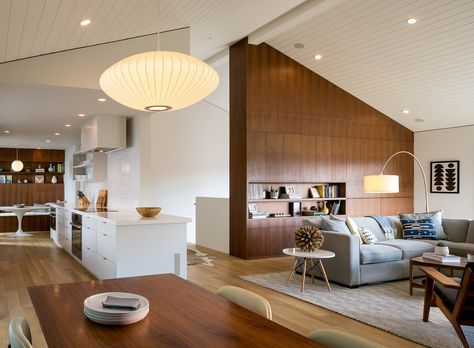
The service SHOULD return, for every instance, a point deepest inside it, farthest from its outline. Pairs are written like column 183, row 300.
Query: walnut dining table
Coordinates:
column 181, row 315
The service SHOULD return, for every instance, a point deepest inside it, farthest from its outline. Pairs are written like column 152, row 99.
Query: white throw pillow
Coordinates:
column 367, row 236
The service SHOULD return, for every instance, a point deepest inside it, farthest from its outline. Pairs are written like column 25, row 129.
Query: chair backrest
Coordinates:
column 337, row 339
column 19, row 333
column 464, row 307
column 247, row 299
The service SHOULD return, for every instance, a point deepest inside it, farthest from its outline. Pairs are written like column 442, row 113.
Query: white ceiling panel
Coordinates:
column 370, row 51
column 35, row 27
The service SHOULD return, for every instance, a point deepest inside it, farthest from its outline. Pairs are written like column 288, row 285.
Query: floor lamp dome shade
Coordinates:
column 159, row 81
column 17, row 165
column 381, row 183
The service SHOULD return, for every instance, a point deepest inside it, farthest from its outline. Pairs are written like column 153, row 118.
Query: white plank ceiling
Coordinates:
column 370, row 51
column 34, row 27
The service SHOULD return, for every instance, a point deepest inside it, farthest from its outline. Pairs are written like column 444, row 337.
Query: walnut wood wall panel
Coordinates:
column 30, row 193
column 288, row 124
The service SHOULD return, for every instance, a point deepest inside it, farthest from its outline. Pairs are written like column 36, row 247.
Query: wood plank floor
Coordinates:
column 37, row 261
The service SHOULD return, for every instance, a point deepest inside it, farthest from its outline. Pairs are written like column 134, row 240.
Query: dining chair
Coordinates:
column 247, row 299
column 333, row 338
column 19, row 333
column 454, row 299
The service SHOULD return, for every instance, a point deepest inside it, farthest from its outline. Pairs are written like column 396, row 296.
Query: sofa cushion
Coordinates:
column 436, row 217
column 367, row 236
column 470, row 233
column 409, row 248
column 456, row 229
column 377, row 253
column 334, row 225
column 461, row 249
column 371, row 224
column 353, row 228
column 447, row 295
column 398, row 225
column 316, row 222
column 418, row 229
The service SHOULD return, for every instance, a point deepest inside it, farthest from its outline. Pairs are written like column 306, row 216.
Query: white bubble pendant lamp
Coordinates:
column 159, row 80
column 17, row 165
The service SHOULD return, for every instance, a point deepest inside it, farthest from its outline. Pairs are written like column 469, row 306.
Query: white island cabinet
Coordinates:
column 123, row 244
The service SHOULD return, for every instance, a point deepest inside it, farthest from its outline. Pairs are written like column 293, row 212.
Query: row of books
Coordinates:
column 256, row 191
column 328, row 191
column 442, row 258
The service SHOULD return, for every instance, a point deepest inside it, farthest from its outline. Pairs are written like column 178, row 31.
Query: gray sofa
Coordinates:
column 357, row 264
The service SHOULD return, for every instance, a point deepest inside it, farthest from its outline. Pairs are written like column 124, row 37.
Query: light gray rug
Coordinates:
column 196, row 257
column 386, row 306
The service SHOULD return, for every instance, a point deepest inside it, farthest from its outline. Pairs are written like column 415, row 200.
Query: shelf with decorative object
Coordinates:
column 90, row 166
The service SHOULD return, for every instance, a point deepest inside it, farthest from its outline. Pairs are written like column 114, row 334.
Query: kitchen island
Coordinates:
column 121, row 244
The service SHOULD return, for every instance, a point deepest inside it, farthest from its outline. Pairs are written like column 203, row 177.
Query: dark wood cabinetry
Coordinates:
column 30, row 193
column 290, row 125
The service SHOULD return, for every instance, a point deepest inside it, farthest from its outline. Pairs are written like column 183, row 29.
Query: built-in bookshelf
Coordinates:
column 295, row 199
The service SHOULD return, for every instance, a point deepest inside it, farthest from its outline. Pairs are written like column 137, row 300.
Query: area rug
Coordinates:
column 386, row 306
column 195, row 257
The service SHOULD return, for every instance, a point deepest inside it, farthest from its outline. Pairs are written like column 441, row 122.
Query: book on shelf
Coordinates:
column 327, row 190
column 442, row 258
column 258, row 215
column 336, row 207
column 290, row 196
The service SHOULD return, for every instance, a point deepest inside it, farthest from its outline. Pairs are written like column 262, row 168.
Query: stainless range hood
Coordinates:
column 104, row 134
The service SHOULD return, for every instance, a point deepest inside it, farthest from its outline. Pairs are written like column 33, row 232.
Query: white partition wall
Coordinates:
column 212, row 223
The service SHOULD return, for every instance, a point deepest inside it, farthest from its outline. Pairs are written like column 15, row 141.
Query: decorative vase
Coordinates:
column 54, row 180
column 51, row 168
column 325, row 209
column 442, row 250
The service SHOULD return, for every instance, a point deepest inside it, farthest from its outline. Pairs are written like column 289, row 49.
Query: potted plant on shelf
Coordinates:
column 273, row 192
column 441, row 249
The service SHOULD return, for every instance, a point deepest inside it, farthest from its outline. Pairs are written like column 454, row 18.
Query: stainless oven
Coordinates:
column 52, row 218
column 76, row 227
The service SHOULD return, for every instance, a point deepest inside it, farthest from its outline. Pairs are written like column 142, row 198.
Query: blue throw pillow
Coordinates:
column 418, row 228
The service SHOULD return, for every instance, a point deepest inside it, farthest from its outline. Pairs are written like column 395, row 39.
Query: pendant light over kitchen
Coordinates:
column 159, row 80
column 17, row 165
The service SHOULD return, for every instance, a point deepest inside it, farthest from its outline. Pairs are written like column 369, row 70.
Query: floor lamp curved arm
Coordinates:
column 389, row 183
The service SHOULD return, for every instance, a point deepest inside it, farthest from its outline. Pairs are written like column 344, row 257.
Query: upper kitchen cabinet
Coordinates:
column 104, row 134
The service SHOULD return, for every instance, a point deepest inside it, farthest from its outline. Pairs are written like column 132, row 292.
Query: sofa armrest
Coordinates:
column 344, row 268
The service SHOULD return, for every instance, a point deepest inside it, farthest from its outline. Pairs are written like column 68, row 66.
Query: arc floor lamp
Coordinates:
column 390, row 183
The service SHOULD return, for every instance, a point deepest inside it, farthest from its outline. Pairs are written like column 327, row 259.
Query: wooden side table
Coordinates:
column 311, row 256
column 420, row 261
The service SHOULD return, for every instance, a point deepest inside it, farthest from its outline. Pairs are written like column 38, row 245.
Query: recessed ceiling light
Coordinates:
column 411, row 20
column 48, row 141
column 299, row 45
column 81, row 115
column 85, row 22
column 57, row 133
column 419, row 120
column 318, row 57
column 38, row 148
column 67, row 125
column 102, row 99
column 6, row 131
column 406, row 111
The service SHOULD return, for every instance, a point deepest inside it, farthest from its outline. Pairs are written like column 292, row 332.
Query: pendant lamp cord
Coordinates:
column 17, row 154
column 158, row 25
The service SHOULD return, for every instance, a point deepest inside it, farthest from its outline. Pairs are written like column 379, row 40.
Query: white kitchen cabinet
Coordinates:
column 105, row 269
column 122, row 244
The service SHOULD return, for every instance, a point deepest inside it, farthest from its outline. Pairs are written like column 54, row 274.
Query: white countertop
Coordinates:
column 126, row 217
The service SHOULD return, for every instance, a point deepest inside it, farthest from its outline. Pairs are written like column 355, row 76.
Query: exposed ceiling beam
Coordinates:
column 302, row 13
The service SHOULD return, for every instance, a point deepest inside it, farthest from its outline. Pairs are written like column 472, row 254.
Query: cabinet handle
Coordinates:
column 104, row 234
column 105, row 258
column 88, row 249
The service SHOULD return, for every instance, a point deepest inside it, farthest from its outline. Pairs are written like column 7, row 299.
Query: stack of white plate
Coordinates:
column 96, row 312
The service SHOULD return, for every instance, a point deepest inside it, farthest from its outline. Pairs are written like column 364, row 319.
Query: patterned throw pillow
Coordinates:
column 418, row 229
column 367, row 236
column 353, row 228
column 436, row 216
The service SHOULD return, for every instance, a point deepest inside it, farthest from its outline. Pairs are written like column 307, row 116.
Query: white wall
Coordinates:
column 189, row 157
column 444, row 145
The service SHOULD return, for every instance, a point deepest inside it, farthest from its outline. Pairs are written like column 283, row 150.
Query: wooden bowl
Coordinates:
column 148, row 211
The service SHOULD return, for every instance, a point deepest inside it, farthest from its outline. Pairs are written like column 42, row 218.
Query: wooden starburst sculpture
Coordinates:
column 309, row 238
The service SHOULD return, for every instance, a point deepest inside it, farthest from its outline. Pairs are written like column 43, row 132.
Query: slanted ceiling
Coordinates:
column 370, row 51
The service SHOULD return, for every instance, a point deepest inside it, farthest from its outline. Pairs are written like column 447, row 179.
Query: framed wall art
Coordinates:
column 444, row 177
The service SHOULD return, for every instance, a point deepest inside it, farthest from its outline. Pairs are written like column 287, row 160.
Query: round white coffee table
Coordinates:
column 20, row 212
column 311, row 256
